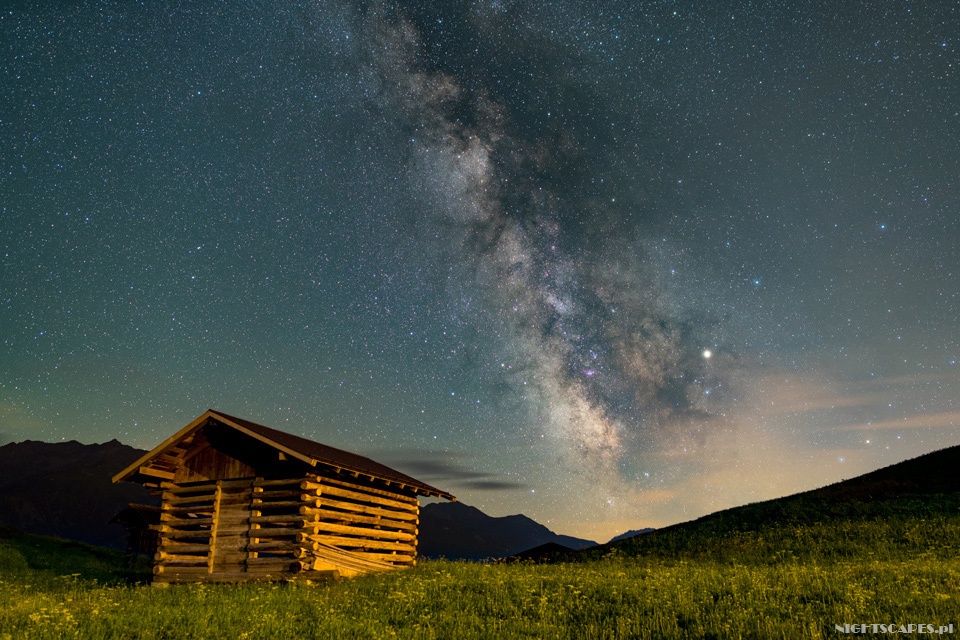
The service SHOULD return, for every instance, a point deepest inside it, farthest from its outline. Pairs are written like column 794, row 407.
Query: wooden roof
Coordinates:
column 308, row 451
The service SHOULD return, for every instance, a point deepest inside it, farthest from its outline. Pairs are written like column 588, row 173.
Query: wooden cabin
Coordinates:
column 242, row 501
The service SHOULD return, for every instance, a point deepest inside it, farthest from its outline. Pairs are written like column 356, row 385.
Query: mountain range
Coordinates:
column 64, row 489
column 454, row 530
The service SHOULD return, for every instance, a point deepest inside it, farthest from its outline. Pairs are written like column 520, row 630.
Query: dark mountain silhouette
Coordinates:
column 631, row 534
column 454, row 530
column 64, row 489
column 924, row 487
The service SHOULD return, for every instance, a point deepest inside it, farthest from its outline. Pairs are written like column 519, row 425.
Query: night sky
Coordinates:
column 611, row 265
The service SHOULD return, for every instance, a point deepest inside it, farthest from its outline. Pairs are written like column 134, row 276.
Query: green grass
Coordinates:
column 794, row 581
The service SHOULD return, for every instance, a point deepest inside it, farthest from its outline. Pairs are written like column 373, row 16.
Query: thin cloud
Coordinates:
column 492, row 485
column 444, row 466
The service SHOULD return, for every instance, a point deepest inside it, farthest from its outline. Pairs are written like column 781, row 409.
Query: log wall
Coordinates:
column 252, row 528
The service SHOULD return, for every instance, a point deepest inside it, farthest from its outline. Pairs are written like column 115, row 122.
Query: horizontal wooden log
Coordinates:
column 171, row 500
column 188, row 527
column 232, row 530
column 178, row 548
column 206, row 504
column 278, row 482
column 234, row 522
column 273, row 545
column 363, row 532
column 164, row 557
column 278, row 532
column 357, row 543
column 184, row 561
column 156, row 473
column 327, row 502
column 324, row 490
column 277, row 495
column 261, row 505
column 172, row 521
column 274, row 562
column 296, row 518
column 181, row 511
column 330, row 515
column 187, row 487
column 386, row 493
column 393, row 558
column 168, row 570
column 184, row 534
column 184, row 490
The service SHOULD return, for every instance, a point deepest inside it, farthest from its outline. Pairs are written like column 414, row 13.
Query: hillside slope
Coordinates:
column 899, row 498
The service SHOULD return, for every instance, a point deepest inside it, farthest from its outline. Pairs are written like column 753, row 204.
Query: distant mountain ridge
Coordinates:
column 457, row 531
column 64, row 489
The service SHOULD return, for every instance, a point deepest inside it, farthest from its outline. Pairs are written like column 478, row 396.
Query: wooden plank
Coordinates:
column 400, row 497
column 189, row 570
column 206, row 498
column 325, row 502
column 166, row 558
column 209, row 486
column 170, row 521
column 279, row 532
column 174, row 500
column 185, row 534
column 266, row 504
column 205, row 509
column 329, row 515
column 357, row 543
column 374, row 534
column 180, row 489
column 274, row 562
column 168, row 561
column 293, row 482
column 254, row 528
column 170, row 546
column 395, row 558
column 274, row 495
column 285, row 518
column 156, row 473
column 361, row 497
column 213, row 529
column 352, row 561
column 268, row 546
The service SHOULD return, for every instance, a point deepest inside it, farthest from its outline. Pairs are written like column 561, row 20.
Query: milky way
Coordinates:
column 609, row 366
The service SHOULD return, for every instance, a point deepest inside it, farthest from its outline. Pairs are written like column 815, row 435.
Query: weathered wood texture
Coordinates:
column 313, row 525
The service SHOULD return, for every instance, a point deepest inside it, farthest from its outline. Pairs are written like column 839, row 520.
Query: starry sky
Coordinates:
column 611, row 265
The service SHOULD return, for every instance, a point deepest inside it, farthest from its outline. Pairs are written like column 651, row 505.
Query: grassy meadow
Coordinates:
column 775, row 582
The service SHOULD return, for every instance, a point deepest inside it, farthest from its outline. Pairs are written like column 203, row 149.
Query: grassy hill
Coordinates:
column 900, row 508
